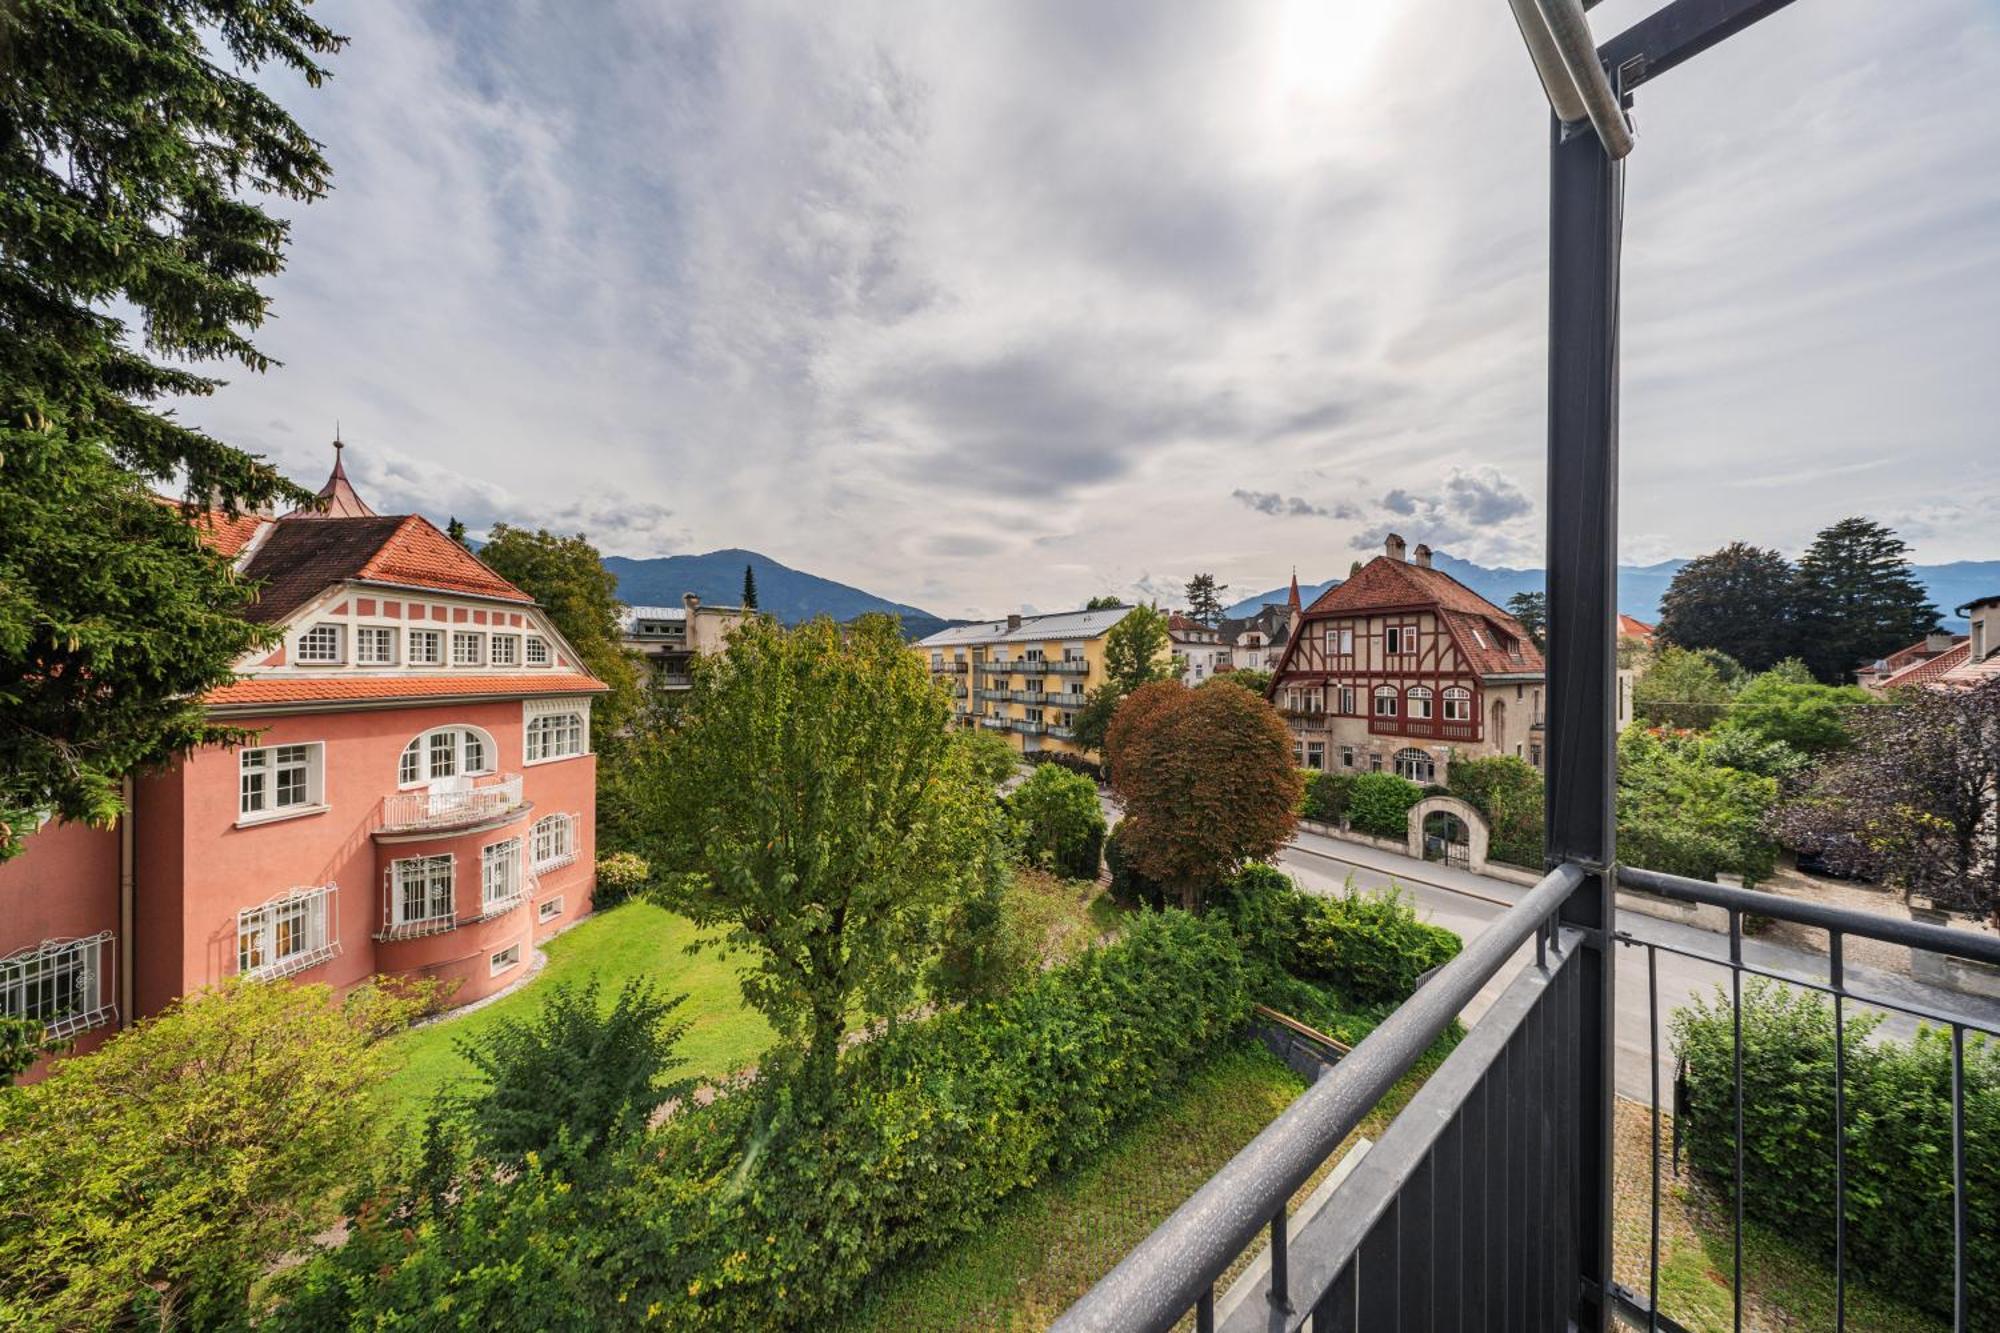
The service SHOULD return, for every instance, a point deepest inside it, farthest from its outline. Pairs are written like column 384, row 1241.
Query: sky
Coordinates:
column 996, row 306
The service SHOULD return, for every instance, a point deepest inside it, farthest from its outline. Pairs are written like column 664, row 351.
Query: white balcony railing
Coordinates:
column 439, row 806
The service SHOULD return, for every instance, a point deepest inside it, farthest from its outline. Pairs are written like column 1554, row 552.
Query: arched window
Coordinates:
column 1416, row 766
column 552, row 842
column 554, row 736
column 1385, row 700
column 445, row 752
column 1420, row 701
column 1458, row 704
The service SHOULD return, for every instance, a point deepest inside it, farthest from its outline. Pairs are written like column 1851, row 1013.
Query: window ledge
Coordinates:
column 557, row 758
column 280, row 816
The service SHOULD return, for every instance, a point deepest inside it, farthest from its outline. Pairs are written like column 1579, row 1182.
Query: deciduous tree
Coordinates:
column 1682, row 689
column 1104, row 602
column 1207, row 781
column 133, row 159
column 1058, row 822
column 1137, row 650
column 1532, row 610
column 821, row 820
column 1858, row 599
column 567, row 576
column 1739, row 600
column 1788, row 706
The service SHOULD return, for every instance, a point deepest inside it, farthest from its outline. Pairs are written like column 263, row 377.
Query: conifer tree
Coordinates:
column 131, row 139
column 1204, row 597
column 1857, row 599
column 749, row 588
column 1738, row 600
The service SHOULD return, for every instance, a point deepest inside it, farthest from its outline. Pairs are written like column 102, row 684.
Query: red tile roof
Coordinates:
column 1475, row 624
column 336, row 689
column 1634, row 627
column 302, row 559
column 418, row 555
column 1929, row 669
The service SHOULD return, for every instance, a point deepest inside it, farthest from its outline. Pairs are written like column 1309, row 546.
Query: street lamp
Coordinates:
column 1565, row 56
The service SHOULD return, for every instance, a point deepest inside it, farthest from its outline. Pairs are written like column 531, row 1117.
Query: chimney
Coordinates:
column 1423, row 554
column 690, row 601
column 1940, row 642
column 1013, row 620
column 1393, row 548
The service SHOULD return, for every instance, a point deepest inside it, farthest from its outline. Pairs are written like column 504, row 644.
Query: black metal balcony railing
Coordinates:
column 1470, row 1211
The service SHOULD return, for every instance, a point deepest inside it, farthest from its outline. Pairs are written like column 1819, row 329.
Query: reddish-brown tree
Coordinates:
column 1207, row 781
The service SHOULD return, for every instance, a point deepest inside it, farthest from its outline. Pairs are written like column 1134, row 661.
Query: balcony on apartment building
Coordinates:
column 954, row 667
column 1029, row 728
column 1488, row 1201
column 1067, row 666
column 445, row 805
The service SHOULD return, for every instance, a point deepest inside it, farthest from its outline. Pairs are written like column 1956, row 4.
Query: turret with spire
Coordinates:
column 338, row 493
column 1292, row 602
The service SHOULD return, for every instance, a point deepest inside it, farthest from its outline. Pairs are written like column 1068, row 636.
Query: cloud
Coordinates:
column 878, row 285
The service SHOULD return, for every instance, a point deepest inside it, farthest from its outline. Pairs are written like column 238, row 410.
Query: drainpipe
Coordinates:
column 125, row 951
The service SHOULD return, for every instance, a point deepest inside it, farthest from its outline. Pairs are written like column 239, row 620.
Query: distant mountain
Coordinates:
column 1640, row 587
column 791, row 595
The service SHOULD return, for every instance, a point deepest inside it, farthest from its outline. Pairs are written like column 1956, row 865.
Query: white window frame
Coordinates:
column 552, row 842
column 290, row 933
column 268, row 763
column 551, row 727
column 1422, row 703
column 421, row 745
column 66, row 984
column 1395, row 641
column 326, row 631
column 367, row 634
column 435, row 879
column 477, row 639
column 512, row 643
column 536, row 651
column 1390, row 695
column 503, row 877
column 1347, row 701
column 503, row 960
column 548, row 909
column 1458, row 702
column 433, row 652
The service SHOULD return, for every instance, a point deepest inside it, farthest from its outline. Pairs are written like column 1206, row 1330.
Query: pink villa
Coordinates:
column 419, row 799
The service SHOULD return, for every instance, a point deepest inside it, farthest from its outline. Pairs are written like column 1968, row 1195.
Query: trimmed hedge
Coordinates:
column 1508, row 791
column 761, row 1212
column 1327, row 795
column 1370, row 947
column 1379, row 803
column 1898, row 1149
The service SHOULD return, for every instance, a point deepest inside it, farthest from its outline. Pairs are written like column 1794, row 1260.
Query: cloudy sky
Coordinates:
column 994, row 305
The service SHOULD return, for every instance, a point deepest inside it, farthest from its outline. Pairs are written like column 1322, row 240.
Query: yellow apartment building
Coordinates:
column 1024, row 677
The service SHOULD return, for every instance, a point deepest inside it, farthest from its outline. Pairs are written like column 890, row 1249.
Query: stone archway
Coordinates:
column 1477, row 834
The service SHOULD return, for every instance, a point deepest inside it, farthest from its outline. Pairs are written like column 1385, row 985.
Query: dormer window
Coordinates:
column 426, row 647
column 538, row 651
column 374, row 646
column 506, row 650
column 467, row 648
column 321, row 646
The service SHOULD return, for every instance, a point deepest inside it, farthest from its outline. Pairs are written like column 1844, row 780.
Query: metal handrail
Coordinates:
column 1175, row 1267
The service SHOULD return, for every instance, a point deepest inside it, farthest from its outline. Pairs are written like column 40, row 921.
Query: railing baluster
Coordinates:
column 1204, row 1311
column 1837, row 977
column 1961, row 1311
column 1653, row 1066
column 1736, row 1024
column 1280, row 1293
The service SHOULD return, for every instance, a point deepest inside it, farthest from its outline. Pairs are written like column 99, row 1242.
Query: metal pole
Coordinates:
column 1586, row 200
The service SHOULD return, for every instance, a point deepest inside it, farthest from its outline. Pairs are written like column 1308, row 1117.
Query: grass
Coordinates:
column 1063, row 917
column 634, row 939
column 1786, row 1286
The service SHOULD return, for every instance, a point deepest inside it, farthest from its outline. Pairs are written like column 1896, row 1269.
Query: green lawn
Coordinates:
column 632, row 940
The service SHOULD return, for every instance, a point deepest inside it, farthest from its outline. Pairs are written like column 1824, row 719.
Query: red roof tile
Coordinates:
column 1634, row 627
column 1929, row 669
column 335, row 689
column 1475, row 624
column 418, row 555
column 302, row 559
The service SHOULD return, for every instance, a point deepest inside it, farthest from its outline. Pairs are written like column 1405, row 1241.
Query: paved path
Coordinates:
column 1467, row 903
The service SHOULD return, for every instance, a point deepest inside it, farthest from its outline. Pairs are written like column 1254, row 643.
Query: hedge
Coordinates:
column 1370, row 947
column 1898, row 1148
column 1508, row 792
column 757, row 1212
column 1380, row 803
column 1075, row 763
column 1327, row 795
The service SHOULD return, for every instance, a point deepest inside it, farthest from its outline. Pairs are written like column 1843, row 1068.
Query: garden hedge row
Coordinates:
column 761, row 1211
column 1369, row 947
column 1898, row 1148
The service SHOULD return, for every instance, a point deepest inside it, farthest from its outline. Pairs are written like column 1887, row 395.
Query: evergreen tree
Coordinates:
column 127, row 157
column 749, row 588
column 1857, row 599
column 1204, row 598
column 454, row 528
column 1738, row 600
column 567, row 577
column 1104, row 602
column 1532, row 610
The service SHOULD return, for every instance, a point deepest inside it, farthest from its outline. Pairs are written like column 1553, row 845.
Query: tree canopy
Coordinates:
column 1253, row 679
column 1204, row 598
column 1104, row 602
column 1739, row 600
column 1683, row 689
column 1681, row 814
column 1136, row 650
column 1207, row 781
column 811, row 807
column 1858, row 599
column 567, row 576
column 749, row 588
column 1532, row 610
column 132, row 161
column 1786, row 705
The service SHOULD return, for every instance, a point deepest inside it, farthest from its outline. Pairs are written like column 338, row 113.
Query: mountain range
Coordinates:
column 792, row 595
column 1640, row 587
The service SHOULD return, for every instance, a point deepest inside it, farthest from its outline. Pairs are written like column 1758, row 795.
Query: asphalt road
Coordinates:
column 1468, row 904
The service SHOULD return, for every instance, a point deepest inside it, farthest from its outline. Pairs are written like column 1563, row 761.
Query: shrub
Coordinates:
column 1327, row 795
column 1680, row 814
column 620, row 875
column 1508, row 792
column 574, row 1077
column 1129, row 885
column 1898, row 1147
column 1379, row 803
column 990, row 756
column 766, row 1211
column 1074, row 763
column 1370, row 945
column 1058, row 822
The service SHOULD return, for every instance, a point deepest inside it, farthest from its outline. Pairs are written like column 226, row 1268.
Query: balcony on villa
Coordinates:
column 1424, row 728
column 442, row 807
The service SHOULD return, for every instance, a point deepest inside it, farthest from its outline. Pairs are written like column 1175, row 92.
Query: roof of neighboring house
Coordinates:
column 1473, row 622
column 1928, row 670
column 300, row 560
column 1179, row 623
column 633, row 614
column 1994, row 600
column 1633, row 627
column 1032, row 629
column 1970, row 672
column 277, row 690
column 339, row 495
